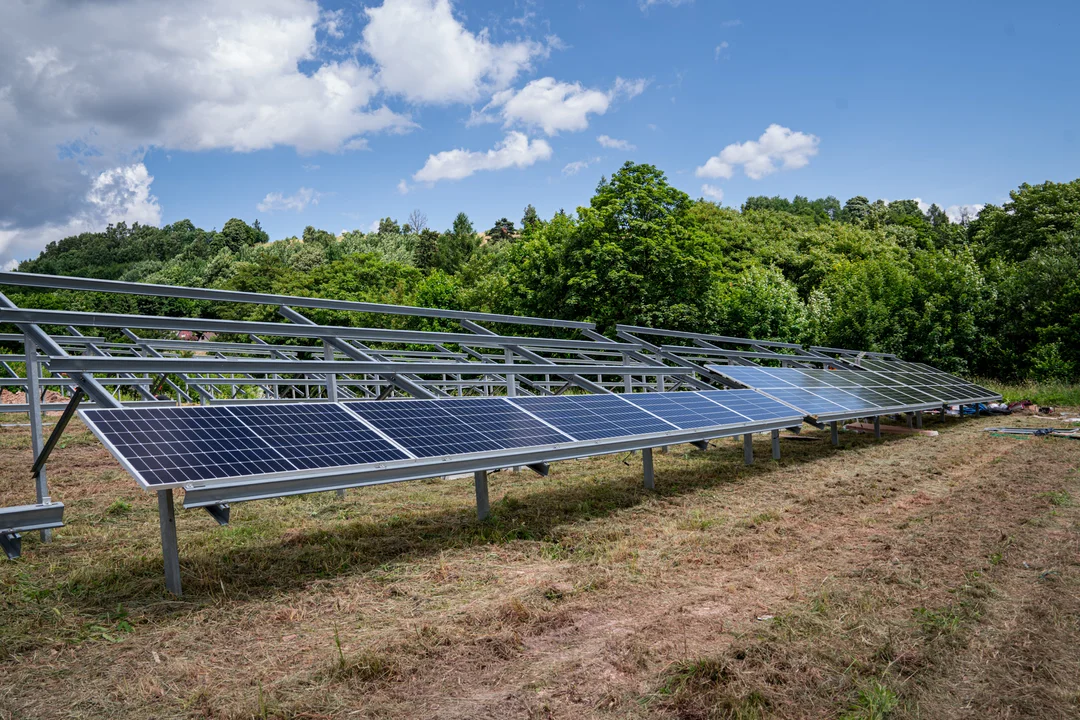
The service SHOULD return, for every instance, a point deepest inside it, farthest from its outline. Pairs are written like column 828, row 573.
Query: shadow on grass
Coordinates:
column 239, row 563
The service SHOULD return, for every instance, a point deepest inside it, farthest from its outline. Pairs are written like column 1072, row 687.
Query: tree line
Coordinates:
column 995, row 295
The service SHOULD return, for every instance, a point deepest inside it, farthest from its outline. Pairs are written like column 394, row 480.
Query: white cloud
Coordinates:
column 778, row 147
column 426, row 55
column 104, row 81
column 614, row 143
column 516, row 150
column 551, row 105
column 730, row 23
column 403, row 187
column 721, row 48
column 296, row 202
column 116, row 195
column 712, row 192
column 629, row 89
column 955, row 213
column 961, row 213
column 555, row 106
column 578, row 165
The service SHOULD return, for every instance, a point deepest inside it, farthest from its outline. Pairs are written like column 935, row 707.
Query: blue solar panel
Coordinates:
column 686, row 410
column 429, row 428
column 316, row 435
column 593, row 417
column 180, row 445
column 752, row 405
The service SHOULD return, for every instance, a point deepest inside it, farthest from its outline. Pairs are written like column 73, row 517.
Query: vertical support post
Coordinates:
column 511, row 379
column 170, row 550
column 37, row 434
column 660, row 388
column 483, row 508
column 332, row 390
column 748, row 448
column 775, row 444
column 877, row 427
column 909, row 417
column 918, row 419
column 834, row 432
column 944, row 412
column 647, row 465
column 628, row 381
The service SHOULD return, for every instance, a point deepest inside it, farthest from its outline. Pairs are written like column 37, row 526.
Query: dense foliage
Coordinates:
column 996, row 295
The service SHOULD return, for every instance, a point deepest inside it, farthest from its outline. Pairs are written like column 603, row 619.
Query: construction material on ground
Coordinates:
column 1073, row 433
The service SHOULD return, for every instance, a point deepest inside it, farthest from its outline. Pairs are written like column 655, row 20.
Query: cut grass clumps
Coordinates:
column 875, row 701
column 1060, row 498
column 119, row 507
column 708, row 688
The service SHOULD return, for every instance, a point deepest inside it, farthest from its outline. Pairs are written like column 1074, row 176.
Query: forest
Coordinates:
column 993, row 296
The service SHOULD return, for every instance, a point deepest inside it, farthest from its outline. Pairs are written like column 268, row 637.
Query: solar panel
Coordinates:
column 829, row 392
column 429, row 428
column 929, row 380
column 718, row 408
column 593, row 417
column 316, row 435
column 177, row 445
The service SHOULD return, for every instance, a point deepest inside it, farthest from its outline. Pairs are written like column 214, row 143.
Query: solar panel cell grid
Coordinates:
column 317, row 435
column 593, row 417
column 175, row 445
column 430, row 428
column 686, row 409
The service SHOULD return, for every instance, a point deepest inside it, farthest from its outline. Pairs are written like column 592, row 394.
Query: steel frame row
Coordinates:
column 145, row 361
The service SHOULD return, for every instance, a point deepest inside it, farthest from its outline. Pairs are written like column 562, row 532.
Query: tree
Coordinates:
column 636, row 257
column 501, row 230
column 389, row 226
column 427, row 249
column 462, row 225
column 530, row 218
column 417, row 221
column 856, row 210
column 320, row 238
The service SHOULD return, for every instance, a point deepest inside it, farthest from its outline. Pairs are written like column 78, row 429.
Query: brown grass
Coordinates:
column 904, row 578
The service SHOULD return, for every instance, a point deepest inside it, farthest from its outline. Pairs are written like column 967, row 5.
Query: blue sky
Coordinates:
column 328, row 114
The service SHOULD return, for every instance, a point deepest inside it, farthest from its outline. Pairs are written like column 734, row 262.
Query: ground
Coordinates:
column 911, row 577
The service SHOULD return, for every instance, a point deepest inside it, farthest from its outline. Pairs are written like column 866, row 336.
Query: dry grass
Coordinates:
column 904, row 578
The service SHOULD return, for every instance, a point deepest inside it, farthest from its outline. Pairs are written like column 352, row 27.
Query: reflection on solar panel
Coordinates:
column 829, row 392
column 593, row 417
column 714, row 408
column 429, row 428
column 316, row 435
column 932, row 381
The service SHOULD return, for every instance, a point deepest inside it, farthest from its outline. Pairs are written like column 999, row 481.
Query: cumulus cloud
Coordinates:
column 614, row 143
column 577, row 166
column 103, row 81
column 551, row 105
column 712, row 192
column 721, row 48
column 116, row 195
column 515, row 150
column 403, row 187
column 554, row 106
column 426, row 55
column 777, row 148
column 296, row 202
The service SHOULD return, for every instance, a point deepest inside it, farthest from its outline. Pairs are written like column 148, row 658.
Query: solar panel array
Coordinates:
column 949, row 388
column 430, row 428
column 169, row 446
column 830, row 392
column 191, row 444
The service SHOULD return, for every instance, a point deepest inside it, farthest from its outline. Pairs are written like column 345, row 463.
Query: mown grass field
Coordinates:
column 912, row 577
